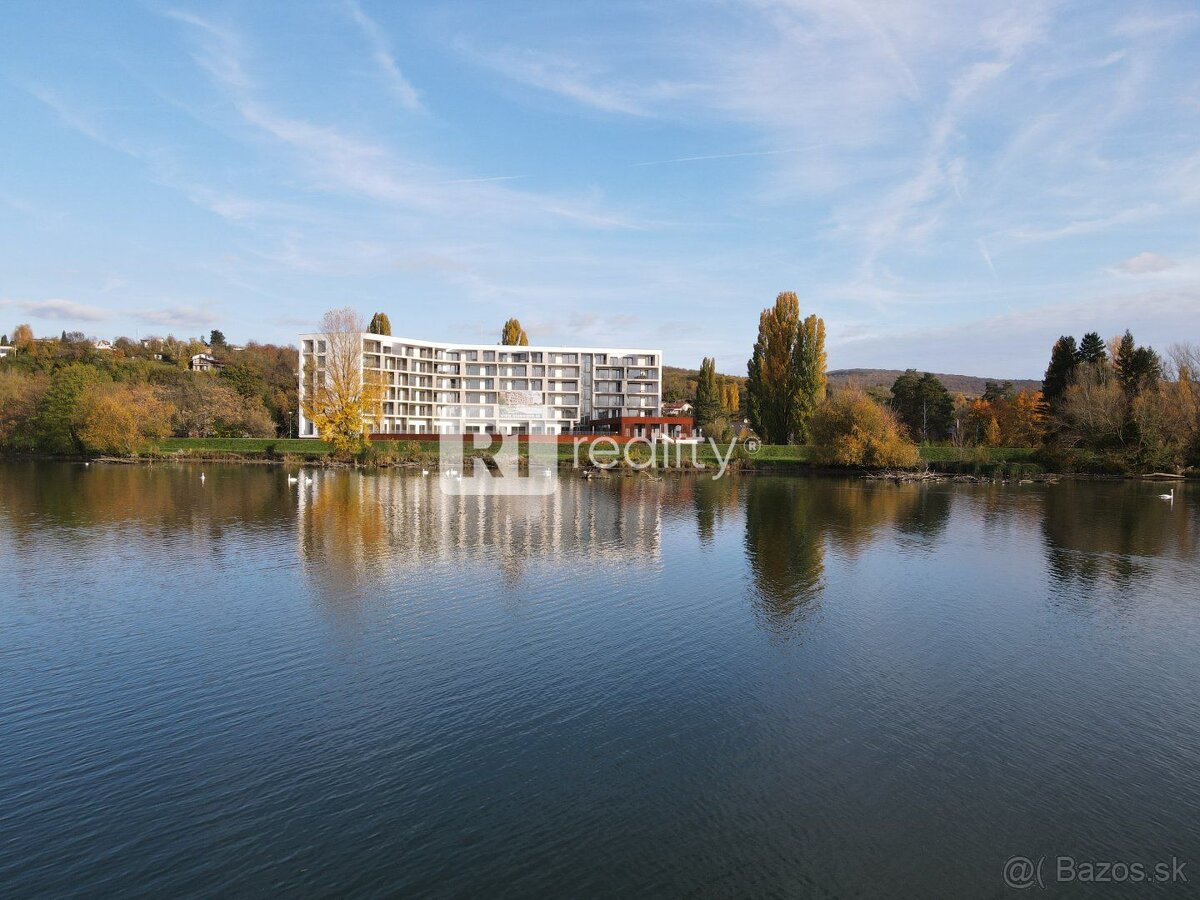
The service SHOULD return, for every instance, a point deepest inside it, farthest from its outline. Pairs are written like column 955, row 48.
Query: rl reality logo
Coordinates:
column 472, row 465
column 526, row 464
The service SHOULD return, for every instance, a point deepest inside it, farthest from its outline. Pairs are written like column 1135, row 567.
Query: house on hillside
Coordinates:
column 677, row 408
column 203, row 362
column 102, row 345
column 5, row 349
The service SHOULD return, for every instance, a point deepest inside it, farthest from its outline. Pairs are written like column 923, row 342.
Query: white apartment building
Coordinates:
column 443, row 388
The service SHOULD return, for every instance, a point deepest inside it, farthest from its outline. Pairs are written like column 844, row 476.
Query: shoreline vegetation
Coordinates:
column 936, row 463
column 1111, row 408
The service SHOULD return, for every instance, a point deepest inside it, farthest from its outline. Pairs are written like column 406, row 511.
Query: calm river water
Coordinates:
column 759, row 686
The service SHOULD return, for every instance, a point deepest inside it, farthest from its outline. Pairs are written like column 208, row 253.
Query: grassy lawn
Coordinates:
column 987, row 454
column 241, row 445
column 768, row 455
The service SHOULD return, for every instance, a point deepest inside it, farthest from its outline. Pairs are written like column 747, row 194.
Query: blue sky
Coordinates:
column 949, row 185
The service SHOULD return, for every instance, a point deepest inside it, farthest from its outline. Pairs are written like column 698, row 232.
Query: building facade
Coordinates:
column 442, row 388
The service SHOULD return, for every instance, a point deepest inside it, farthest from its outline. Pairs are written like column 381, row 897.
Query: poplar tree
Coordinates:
column 707, row 407
column 786, row 371
column 380, row 325
column 810, row 374
column 513, row 335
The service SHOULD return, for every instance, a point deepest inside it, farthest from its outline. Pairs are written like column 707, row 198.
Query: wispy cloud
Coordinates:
column 60, row 310
column 1079, row 227
column 1146, row 263
column 565, row 77
column 338, row 161
column 987, row 256
column 683, row 159
column 381, row 53
column 176, row 316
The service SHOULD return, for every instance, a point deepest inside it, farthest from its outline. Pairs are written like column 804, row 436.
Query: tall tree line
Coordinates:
column 786, row 373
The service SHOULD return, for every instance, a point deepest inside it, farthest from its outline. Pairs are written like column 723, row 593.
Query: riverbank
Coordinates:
column 988, row 463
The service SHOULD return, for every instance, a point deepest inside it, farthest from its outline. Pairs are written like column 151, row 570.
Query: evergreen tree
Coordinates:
column 380, row 325
column 995, row 391
column 923, row 404
column 1063, row 359
column 513, row 335
column 786, row 373
column 4, row 341
column 707, row 407
column 216, row 339
column 1091, row 348
column 1137, row 367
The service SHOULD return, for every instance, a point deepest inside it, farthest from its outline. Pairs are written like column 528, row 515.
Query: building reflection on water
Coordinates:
column 356, row 527
column 368, row 529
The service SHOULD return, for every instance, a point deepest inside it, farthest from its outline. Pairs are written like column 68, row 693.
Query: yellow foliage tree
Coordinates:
column 340, row 398
column 730, row 396
column 513, row 335
column 991, row 434
column 122, row 419
column 22, row 336
column 851, row 429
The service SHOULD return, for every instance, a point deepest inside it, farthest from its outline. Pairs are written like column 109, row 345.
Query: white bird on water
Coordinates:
column 1170, row 496
column 308, row 479
column 424, row 471
column 292, row 479
column 202, row 478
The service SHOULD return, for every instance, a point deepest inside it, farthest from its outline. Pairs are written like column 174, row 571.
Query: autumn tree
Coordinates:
column 203, row 406
column 20, row 397
column 380, row 324
column 339, row 397
column 809, row 368
column 1092, row 410
column 56, row 422
column 786, row 373
column 1063, row 359
column 851, row 429
column 707, row 407
column 122, row 418
column 730, row 397
column 513, row 335
column 22, row 336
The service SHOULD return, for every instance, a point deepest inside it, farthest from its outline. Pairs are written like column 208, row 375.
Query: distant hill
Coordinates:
column 968, row 385
column 679, row 383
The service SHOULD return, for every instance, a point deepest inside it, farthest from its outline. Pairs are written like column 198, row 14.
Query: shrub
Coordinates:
column 206, row 407
column 851, row 429
column 20, row 396
column 409, row 451
column 117, row 418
